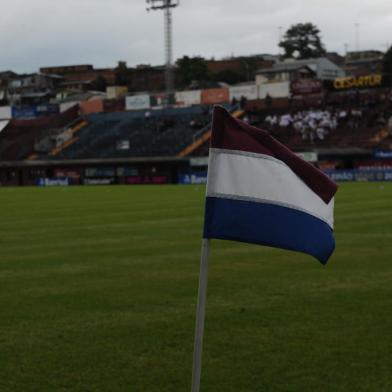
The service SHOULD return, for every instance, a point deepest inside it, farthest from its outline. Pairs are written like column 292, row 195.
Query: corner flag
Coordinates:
column 258, row 191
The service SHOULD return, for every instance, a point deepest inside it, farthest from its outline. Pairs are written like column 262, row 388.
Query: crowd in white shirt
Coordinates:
column 315, row 124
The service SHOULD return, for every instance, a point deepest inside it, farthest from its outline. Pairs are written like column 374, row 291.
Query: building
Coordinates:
column 363, row 62
column 22, row 89
column 284, row 72
column 146, row 78
column 238, row 65
column 82, row 73
column 291, row 70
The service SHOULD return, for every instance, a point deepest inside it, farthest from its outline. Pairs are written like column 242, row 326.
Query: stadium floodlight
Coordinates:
column 166, row 5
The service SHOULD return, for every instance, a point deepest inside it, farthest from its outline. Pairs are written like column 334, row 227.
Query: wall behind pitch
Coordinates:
column 248, row 91
column 5, row 112
column 188, row 98
column 275, row 90
column 215, row 95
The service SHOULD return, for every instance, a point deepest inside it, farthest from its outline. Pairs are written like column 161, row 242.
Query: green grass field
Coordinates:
column 98, row 288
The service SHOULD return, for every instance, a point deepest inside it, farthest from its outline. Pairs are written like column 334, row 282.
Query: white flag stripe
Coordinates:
column 248, row 177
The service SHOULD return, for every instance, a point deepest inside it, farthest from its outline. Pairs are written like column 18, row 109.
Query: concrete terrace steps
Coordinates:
column 204, row 138
column 73, row 130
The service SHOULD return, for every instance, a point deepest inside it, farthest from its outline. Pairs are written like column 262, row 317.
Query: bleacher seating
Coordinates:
column 169, row 132
column 361, row 132
column 18, row 138
column 370, row 132
column 147, row 133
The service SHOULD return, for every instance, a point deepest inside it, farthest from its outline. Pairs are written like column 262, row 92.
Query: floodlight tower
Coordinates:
column 166, row 6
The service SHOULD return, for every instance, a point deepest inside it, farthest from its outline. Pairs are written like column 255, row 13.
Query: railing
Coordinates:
column 204, row 134
column 73, row 127
column 200, row 132
column 380, row 136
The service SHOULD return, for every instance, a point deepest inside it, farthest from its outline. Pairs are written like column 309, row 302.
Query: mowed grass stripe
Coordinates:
column 99, row 286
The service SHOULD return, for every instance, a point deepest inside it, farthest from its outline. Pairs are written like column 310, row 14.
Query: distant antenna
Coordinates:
column 345, row 49
column 356, row 36
column 166, row 5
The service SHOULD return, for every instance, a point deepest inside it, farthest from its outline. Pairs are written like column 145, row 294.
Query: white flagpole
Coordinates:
column 200, row 315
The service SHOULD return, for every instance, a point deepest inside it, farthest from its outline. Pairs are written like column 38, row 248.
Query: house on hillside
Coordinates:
column 35, row 87
column 363, row 62
column 291, row 70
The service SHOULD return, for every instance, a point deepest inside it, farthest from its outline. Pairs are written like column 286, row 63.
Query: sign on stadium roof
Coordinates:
column 358, row 82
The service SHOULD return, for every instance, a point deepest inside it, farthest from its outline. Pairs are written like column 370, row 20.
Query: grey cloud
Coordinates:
column 101, row 32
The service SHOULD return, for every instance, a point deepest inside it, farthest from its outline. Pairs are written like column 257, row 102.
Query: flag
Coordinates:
column 258, row 191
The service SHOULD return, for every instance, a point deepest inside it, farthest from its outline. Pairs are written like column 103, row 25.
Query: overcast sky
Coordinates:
column 101, row 32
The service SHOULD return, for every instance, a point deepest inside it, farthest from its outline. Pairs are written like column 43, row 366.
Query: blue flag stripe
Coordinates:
column 268, row 224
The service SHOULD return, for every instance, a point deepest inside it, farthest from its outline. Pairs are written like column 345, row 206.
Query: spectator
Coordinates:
column 243, row 102
column 390, row 126
column 268, row 101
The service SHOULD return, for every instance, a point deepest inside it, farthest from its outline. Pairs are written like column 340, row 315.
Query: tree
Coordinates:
column 99, row 83
column 387, row 66
column 249, row 66
column 302, row 41
column 228, row 76
column 121, row 74
column 190, row 69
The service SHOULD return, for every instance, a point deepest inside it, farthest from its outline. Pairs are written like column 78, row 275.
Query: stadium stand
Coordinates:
column 180, row 132
column 204, row 135
column 67, row 137
column 20, row 138
column 309, row 128
column 327, row 127
column 135, row 134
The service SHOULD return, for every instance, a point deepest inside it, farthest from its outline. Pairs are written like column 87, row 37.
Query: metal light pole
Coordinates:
column 166, row 6
column 345, row 49
column 357, row 37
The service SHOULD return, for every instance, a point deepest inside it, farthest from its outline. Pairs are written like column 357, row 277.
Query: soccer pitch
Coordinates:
column 98, row 289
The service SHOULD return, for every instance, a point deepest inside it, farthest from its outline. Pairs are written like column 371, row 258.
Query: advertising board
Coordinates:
column 359, row 175
column 139, row 180
column 188, row 98
column 137, row 102
column 24, row 112
column 99, row 181
column 306, row 86
column 383, row 154
column 215, row 95
column 193, row 178
column 274, row 90
column 99, row 172
column 127, row 171
column 92, row 106
column 56, row 181
column 248, row 91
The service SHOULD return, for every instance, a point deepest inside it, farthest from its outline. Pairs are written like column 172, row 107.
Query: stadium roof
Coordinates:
column 284, row 67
